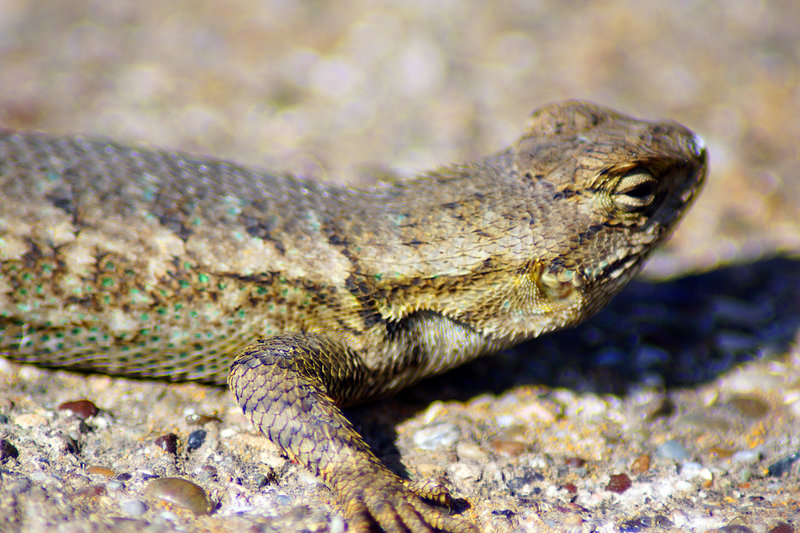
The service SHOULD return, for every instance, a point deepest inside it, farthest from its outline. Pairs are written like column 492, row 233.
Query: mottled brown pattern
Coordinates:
column 153, row 264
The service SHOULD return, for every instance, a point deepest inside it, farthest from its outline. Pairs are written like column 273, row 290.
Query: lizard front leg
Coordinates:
column 290, row 386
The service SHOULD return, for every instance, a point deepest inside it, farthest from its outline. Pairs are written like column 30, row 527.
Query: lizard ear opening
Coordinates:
column 555, row 288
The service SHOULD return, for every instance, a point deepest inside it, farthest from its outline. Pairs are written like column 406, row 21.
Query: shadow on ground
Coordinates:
column 679, row 333
column 670, row 334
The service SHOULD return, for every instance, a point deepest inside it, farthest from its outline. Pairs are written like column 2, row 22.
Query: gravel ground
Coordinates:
column 676, row 409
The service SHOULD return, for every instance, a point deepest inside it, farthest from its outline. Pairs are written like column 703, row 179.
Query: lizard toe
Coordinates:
column 440, row 519
column 411, row 518
column 380, row 501
column 358, row 517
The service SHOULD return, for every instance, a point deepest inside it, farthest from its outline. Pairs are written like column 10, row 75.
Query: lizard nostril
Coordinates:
column 697, row 145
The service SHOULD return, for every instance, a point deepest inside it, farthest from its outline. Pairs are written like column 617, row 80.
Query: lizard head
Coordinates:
column 609, row 189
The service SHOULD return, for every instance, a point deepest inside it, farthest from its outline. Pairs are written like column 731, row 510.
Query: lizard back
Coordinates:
column 149, row 263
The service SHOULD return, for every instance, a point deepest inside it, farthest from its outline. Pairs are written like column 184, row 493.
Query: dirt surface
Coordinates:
column 676, row 409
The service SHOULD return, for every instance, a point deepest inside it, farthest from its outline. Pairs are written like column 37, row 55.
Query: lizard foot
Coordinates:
column 284, row 385
column 381, row 501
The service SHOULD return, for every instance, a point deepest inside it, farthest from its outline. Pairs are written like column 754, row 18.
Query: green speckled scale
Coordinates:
column 108, row 266
column 306, row 297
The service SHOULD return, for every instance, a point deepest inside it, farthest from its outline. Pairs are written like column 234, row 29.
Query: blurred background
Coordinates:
column 346, row 91
column 355, row 90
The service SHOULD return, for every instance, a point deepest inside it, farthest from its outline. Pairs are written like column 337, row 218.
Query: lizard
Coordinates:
column 307, row 297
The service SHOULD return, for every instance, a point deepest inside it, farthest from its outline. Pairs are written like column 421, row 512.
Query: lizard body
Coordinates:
column 306, row 297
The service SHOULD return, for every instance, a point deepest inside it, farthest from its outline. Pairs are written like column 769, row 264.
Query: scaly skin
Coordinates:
column 306, row 297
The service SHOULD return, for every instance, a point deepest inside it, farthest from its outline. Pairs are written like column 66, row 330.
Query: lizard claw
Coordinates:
column 431, row 489
column 384, row 502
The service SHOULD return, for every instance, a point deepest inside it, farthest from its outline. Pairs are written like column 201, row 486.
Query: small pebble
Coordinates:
column 195, row 440
column 672, row 449
column 168, row 516
column 260, row 481
column 690, row 471
column 635, row 525
column 101, row 471
column 430, row 437
column 570, row 487
column 70, row 445
column 721, row 453
column 783, row 466
column 168, row 443
column 504, row 421
column 133, row 508
column 180, row 492
column 575, row 462
column 197, row 419
column 3, row 419
column 91, row 491
column 28, row 420
column 469, row 451
column 641, row 464
column 83, row 427
column 572, row 521
column 7, row 451
column 81, row 408
column 541, row 411
column 40, row 477
column 750, row 406
column 466, row 472
column 746, row 456
column 208, row 472
column 619, row 483
column 745, row 475
column 708, row 422
column 522, row 485
column 665, row 408
column 662, row 521
column 508, row 448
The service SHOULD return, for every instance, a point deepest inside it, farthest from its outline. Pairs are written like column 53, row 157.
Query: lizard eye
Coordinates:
column 635, row 191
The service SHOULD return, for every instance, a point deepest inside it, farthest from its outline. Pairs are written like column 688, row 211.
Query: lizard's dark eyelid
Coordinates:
column 641, row 190
column 635, row 190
